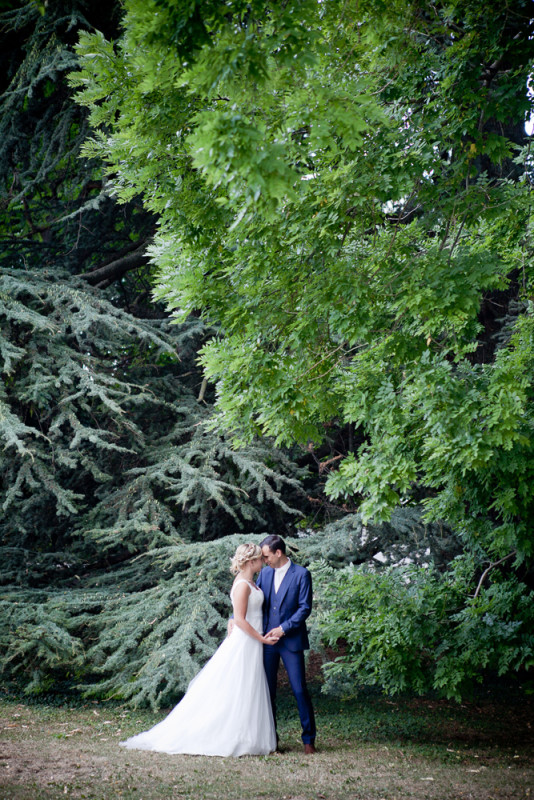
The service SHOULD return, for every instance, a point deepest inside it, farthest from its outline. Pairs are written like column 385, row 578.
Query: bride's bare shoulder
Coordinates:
column 244, row 583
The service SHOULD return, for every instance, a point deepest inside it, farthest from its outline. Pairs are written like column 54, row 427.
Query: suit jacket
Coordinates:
column 293, row 602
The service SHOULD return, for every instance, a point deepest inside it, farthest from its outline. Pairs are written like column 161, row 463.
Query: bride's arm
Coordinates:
column 240, row 602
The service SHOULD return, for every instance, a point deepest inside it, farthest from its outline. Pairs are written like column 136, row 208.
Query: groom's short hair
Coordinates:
column 274, row 543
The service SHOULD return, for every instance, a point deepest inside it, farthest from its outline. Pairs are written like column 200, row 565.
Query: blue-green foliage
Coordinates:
column 107, row 450
column 141, row 630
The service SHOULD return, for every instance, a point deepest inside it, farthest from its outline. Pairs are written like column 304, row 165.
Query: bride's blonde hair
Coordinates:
column 245, row 552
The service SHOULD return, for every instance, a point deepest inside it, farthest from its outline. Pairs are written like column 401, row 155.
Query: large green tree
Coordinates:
column 344, row 188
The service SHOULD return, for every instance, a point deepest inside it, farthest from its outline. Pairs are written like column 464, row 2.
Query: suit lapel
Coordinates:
column 267, row 583
column 286, row 583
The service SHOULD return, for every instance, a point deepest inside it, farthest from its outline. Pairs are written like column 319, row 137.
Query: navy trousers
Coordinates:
column 294, row 664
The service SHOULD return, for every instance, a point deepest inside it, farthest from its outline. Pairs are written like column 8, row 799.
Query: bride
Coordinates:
column 226, row 710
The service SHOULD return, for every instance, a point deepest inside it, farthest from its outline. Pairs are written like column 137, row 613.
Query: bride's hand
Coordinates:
column 269, row 639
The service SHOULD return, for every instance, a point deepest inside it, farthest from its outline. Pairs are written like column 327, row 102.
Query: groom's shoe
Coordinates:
column 309, row 749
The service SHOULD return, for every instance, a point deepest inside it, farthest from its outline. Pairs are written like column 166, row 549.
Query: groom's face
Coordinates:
column 272, row 559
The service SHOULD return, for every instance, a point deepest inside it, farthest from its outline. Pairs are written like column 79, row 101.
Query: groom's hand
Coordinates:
column 276, row 633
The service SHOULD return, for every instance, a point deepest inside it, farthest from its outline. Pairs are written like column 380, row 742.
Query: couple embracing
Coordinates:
column 229, row 708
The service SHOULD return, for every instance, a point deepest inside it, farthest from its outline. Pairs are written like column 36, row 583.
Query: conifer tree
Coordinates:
column 107, row 450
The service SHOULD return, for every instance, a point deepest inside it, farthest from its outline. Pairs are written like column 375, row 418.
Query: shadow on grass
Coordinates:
column 498, row 715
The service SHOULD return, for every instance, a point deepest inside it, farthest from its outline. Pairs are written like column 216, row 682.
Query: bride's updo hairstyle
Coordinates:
column 244, row 553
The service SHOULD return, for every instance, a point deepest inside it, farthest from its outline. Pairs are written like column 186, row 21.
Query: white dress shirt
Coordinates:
column 279, row 574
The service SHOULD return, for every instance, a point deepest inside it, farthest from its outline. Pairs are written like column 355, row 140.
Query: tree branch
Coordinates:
column 202, row 392
column 107, row 273
column 488, row 569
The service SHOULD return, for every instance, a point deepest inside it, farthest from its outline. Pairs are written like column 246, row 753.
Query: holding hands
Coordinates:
column 270, row 638
column 274, row 635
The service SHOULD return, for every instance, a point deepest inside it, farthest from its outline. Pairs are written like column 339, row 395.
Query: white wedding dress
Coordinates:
column 226, row 710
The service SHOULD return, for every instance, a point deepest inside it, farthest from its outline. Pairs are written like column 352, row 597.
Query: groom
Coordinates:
column 288, row 600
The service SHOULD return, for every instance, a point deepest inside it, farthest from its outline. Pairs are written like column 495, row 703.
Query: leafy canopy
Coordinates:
column 336, row 190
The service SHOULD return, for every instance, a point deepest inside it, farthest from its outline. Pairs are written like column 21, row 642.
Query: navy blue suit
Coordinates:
column 289, row 607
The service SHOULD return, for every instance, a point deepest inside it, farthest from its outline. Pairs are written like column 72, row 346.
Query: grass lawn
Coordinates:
column 368, row 748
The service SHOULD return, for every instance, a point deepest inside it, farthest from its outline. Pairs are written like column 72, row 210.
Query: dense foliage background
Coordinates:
column 334, row 200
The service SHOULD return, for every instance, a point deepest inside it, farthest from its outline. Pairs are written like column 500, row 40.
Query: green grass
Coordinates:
column 369, row 748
